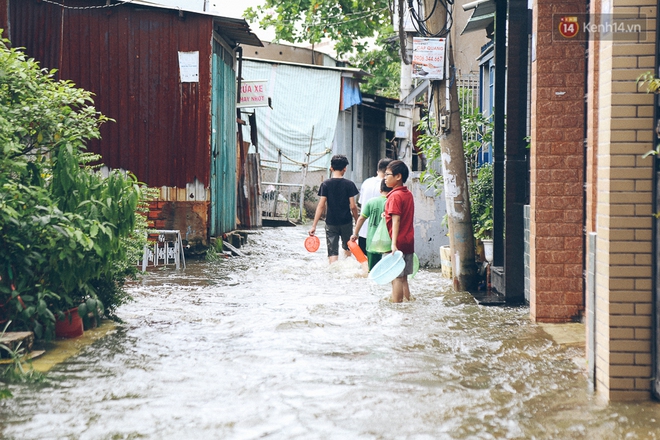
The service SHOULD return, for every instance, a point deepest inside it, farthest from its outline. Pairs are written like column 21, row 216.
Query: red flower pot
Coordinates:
column 71, row 326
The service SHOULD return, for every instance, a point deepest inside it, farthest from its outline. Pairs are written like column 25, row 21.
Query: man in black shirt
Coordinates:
column 339, row 196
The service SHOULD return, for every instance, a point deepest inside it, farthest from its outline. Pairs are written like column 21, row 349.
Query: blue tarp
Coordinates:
column 303, row 98
column 351, row 93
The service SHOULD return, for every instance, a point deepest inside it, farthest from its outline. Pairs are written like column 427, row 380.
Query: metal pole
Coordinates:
column 498, row 133
column 277, row 180
column 515, row 165
column 304, row 177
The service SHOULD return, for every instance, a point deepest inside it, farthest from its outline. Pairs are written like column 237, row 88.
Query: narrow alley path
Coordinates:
column 279, row 345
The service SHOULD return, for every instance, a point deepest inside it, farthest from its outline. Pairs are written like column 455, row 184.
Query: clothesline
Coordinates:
column 303, row 164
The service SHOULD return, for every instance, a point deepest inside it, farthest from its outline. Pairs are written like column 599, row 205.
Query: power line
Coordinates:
column 340, row 21
column 107, row 5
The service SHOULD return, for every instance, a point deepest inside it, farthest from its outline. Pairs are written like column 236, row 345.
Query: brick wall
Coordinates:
column 557, row 158
column 623, row 201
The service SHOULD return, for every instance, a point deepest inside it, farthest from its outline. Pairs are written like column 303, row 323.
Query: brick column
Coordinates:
column 557, row 158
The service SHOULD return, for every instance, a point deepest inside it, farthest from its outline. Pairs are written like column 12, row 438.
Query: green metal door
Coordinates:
column 223, row 143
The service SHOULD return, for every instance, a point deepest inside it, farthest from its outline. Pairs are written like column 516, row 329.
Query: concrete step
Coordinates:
column 14, row 340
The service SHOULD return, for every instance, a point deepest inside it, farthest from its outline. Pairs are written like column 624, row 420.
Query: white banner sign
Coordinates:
column 428, row 58
column 189, row 66
column 254, row 94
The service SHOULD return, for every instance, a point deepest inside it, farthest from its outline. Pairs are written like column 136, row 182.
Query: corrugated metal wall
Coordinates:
column 223, row 153
column 128, row 56
column 4, row 17
column 34, row 27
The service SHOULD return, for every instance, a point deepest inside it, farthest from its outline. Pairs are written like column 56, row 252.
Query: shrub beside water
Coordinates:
column 67, row 232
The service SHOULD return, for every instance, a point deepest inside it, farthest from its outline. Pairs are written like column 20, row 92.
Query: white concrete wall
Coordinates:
column 429, row 232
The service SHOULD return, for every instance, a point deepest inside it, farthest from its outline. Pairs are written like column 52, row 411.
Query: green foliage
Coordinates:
column 311, row 193
column 63, row 225
column 384, row 64
column 477, row 133
column 215, row 252
column 481, row 202
column 651, row 82
column 346, row 22
column 429, row 143
column 349, row 24
column 294, row 213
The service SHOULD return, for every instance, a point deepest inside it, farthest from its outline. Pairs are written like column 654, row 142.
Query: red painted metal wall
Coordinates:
column 128, row 56
column 4, row 17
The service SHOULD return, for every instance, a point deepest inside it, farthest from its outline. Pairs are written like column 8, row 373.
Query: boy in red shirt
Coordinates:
column 399, row 214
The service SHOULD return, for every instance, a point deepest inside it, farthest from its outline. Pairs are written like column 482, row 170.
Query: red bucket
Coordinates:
column 312, row 243
column 71, row 326
column 357, row 252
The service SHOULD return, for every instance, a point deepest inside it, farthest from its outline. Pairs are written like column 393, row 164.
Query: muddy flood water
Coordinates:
column 279, row 345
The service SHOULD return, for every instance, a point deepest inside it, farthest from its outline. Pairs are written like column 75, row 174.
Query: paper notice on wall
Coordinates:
column 189, row 66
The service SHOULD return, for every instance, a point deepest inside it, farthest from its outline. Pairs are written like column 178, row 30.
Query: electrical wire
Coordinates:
column 419, row 22
column 327, row 23
column 107, row 5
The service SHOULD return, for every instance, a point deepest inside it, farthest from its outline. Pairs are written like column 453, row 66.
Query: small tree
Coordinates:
column 347, row 23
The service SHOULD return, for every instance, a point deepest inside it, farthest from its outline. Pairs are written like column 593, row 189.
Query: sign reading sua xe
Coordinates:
column 254, row 94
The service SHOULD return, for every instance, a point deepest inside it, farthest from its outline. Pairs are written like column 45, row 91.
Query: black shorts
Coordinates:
column 332, row 234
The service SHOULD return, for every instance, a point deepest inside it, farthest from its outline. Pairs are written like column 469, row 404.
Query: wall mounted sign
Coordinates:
column 428, row 58
column 254, row 94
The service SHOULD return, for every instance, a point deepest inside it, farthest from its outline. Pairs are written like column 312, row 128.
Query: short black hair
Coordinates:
column 383, row 163
column 384, row 187
column 338, row 162
column 398, row 167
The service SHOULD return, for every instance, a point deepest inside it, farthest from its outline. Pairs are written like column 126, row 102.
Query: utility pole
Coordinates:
column 405, row 145
column 447, row 113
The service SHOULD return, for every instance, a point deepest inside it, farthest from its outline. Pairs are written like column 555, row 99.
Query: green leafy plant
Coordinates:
column 429, row 144
column 63, row 225
column 477, row 134
column 481, row 202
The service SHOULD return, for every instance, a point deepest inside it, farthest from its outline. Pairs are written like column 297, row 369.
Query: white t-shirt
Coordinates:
column 369, row 189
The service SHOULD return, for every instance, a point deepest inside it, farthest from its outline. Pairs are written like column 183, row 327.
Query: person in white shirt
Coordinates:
column 369, row 189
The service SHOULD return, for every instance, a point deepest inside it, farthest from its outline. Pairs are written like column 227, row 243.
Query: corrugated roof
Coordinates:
column 351, row 71
column 482, row 17
column 236, row 30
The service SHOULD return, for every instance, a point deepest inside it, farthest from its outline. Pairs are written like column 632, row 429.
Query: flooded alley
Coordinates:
column 279, row 345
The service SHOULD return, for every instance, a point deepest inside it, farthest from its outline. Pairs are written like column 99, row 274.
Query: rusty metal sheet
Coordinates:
column 128, row 56
column 4, row 18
